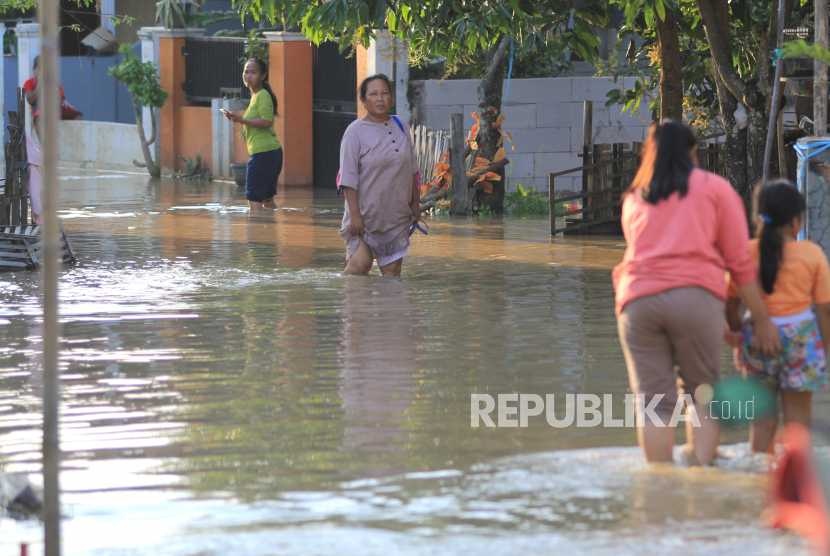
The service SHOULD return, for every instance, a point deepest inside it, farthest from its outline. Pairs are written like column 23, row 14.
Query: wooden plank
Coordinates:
column 66, row 238
column 590, row 193
column 14, row 255
column 588, row 166
column 13, row 264
column 587, row 225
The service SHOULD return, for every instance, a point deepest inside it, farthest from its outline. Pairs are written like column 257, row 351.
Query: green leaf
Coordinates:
column 648, row 12
column 661, row 9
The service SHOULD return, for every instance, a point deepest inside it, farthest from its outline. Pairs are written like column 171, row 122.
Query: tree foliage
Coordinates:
column 142, row 81
column 443, row 28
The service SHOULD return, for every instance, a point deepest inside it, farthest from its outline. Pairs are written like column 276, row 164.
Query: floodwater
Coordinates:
column 226, row 391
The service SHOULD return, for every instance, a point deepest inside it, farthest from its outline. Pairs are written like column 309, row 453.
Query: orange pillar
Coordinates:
column 362, row 59
column 291, row 77
column 171, row 77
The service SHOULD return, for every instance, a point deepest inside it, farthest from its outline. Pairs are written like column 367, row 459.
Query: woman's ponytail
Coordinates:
column 267, row 87
column 771, row 247
column 263, row 69
column 776, row 204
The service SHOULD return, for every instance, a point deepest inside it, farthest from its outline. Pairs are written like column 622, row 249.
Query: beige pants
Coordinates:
column 681, row 327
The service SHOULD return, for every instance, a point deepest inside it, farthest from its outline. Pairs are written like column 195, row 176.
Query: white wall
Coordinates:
column 544, row 116
column 104, row 145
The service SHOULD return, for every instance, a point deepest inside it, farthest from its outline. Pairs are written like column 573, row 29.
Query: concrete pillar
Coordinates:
column 223, row 136
column 28, row 47
column 291, row 76
column 390, row 57
column 171, row 77
column 107, row 11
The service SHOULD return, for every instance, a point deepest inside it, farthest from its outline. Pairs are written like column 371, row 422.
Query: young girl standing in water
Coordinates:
column 265, row 164
column 794, row 275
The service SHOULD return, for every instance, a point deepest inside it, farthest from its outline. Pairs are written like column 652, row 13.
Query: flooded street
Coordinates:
column 226, row 391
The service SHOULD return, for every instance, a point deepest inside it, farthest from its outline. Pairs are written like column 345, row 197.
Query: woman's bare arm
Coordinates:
column 356, row 219
column 32, row 96
column 259, row 123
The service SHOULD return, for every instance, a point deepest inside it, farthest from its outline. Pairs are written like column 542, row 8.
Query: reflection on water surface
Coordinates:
column 227, row 391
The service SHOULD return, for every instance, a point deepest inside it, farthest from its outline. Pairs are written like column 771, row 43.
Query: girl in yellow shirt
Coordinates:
column 794, row 276
column 265, row 164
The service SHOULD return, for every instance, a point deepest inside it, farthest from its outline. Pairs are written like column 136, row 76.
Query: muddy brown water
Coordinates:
column 226, row 391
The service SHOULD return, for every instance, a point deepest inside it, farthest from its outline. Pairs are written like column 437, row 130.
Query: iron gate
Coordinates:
column 212, row 68
column 335, row 107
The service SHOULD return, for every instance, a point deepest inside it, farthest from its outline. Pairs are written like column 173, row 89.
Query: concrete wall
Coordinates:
column 105, row 145
column 91, row 90
column 544, row 116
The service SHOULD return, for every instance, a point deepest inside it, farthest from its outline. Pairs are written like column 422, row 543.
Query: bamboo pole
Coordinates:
column 48, row 12
column 820, row 73
column 776, row 92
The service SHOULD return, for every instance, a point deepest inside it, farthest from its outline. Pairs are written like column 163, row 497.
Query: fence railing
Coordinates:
column 429, row 147
column 608, row 172
column 14, row 203
column 213, row 69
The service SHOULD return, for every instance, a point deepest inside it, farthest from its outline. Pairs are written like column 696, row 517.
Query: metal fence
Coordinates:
column 335, row 77
column 212, row 67
column 328, row 130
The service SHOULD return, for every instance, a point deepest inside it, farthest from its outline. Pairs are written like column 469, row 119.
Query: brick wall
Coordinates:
column 544, row 116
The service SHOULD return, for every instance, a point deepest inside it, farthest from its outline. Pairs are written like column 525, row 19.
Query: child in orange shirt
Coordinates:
column 794, row 275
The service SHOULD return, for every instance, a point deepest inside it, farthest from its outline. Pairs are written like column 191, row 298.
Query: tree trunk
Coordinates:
column 489, row 95
column 671, row 82
column 743, row 150
column 149, row 163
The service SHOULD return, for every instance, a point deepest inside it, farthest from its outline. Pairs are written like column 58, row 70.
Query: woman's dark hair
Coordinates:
column 364, row 85
column 37, row 61
column 776, row 204
column 263, row 69
column 666, row 164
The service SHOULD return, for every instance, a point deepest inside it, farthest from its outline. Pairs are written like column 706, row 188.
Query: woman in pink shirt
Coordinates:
column 684, row 228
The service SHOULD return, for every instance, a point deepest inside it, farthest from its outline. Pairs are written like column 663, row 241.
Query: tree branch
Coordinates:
column 715, row 16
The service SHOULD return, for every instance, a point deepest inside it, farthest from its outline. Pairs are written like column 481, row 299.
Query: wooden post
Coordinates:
column 782, row 155
column 587, row 136
column 457, row 168
column 23, row 174
column 820, row 73
column 50, row 114
column 776, row 89
column 596, row 181
column 552, row 203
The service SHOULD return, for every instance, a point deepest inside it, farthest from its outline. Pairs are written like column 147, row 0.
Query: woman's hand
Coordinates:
column 415, row 207
column 233, row 117
column 733, row 338
column 356, row 224
column 767, row 336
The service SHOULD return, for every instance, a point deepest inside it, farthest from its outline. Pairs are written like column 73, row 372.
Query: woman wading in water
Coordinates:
column 378, row 176
column 265, row 164
column 684, row 228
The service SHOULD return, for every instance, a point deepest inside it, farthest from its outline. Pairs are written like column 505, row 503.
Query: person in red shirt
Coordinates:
column 684, row 228
column 68, row 112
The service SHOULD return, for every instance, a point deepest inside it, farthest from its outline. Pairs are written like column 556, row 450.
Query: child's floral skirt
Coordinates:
column 799, row 368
